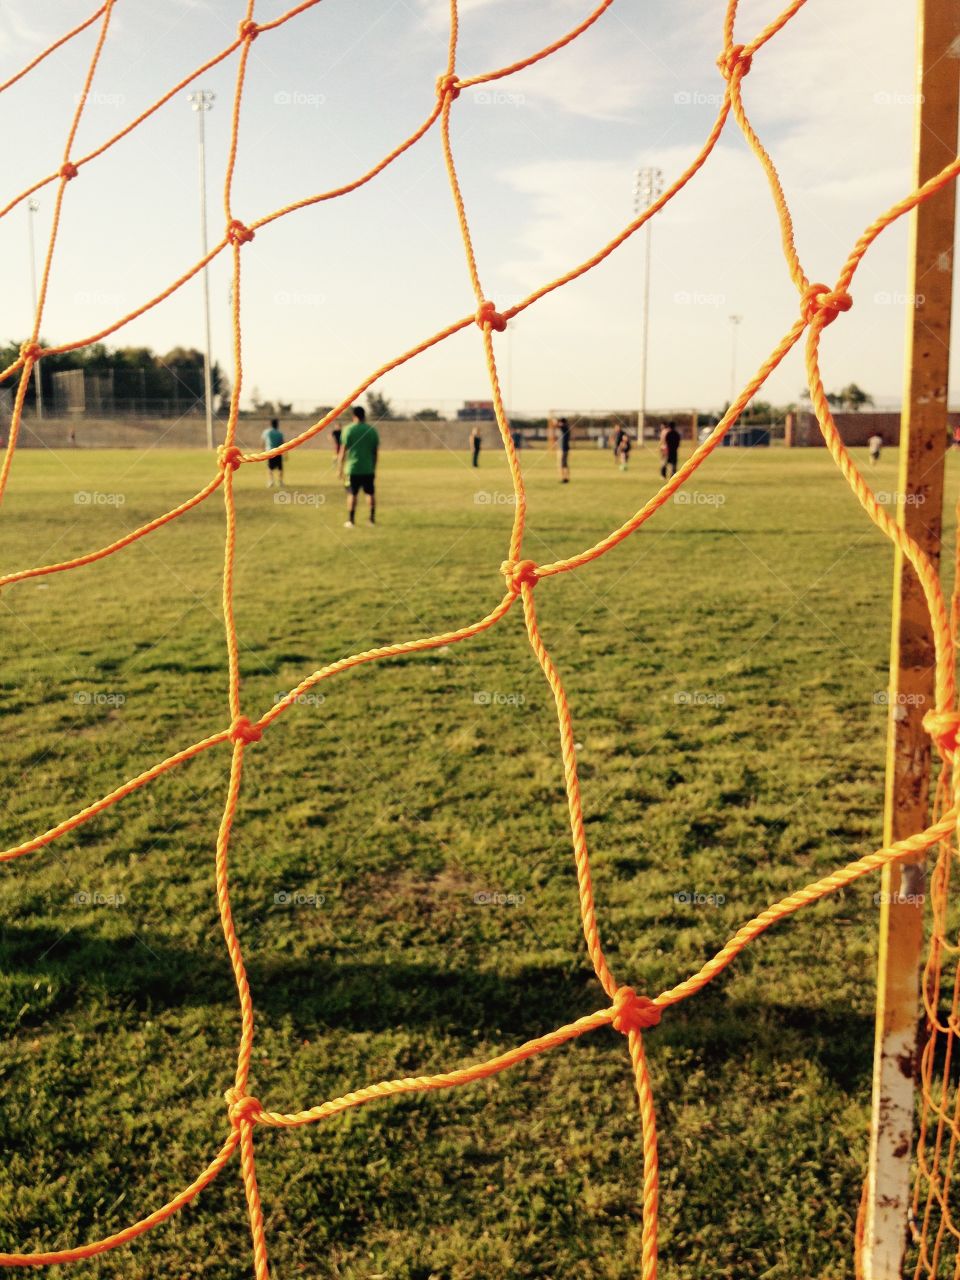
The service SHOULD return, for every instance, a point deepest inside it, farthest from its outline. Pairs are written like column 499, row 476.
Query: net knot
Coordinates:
column 632, row 1012
column 818, row 298
column 242, row 1106
column 243, row 730
column 30, row 350
column 734, row 59
column 229, row 455
column 942, row 726
column 68, row 170
column 448, row 86
column 237, row 233
column 487, row 313
column 248, row 30
column 518, row 572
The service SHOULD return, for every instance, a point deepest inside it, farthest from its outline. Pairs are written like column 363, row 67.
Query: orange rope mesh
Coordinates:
column 626, row 1012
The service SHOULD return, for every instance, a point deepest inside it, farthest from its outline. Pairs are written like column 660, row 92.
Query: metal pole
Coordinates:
column 32, row 207
column 201, row 102
column 923, row 432
column 648, row 184
column 734, row 326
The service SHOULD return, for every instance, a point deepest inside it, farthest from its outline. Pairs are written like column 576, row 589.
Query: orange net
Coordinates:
column 936, row 1198
column 624, row 1010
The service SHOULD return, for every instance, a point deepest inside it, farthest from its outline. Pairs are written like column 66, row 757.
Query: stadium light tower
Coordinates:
column 32, row 208
column 201, row 102
column 734, row 326
column 647, row 185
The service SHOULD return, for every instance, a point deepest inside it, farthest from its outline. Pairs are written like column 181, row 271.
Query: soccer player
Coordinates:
column 476, row 440
column 875, row 444
column 623, row 449
column 358, row 460
column 563, row 429
column 669, row 449
column 272, row 438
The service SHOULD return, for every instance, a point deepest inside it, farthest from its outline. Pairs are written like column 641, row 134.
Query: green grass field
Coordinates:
column 723, row 668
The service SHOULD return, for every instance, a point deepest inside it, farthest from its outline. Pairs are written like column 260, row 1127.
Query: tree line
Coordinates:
column 137, row 374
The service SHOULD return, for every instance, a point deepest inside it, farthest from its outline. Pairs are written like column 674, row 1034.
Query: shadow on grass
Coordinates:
column 52, row 974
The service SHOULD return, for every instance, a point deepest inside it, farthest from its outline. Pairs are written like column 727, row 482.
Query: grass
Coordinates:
column 722, row 666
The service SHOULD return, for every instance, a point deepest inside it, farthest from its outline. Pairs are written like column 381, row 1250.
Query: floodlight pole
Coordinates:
column 201, row 102
column 735, row 322
column 647, row 186
column 923, row 431
column 32, row 208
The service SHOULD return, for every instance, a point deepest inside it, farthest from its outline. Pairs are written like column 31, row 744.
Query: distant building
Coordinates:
column 476, row 411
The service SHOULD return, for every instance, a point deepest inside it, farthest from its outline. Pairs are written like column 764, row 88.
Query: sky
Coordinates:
column 547, row 160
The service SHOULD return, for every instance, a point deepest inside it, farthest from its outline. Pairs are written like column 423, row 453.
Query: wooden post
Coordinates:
column 923, row 434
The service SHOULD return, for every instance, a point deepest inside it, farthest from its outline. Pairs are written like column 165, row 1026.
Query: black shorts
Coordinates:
column 275, row 464
column 361, row 482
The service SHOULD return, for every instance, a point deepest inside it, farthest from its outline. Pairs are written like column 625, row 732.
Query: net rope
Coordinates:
column 626, row 1011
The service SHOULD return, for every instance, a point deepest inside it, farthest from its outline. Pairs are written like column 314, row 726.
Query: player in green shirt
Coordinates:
column 357, row 459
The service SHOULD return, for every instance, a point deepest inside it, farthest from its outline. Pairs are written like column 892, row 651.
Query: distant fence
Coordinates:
column 803, row 431
column 187, row 433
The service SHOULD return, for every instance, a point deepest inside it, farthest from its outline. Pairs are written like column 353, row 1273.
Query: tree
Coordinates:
column 426, row 415
column 854, row 397
column 378, row 406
